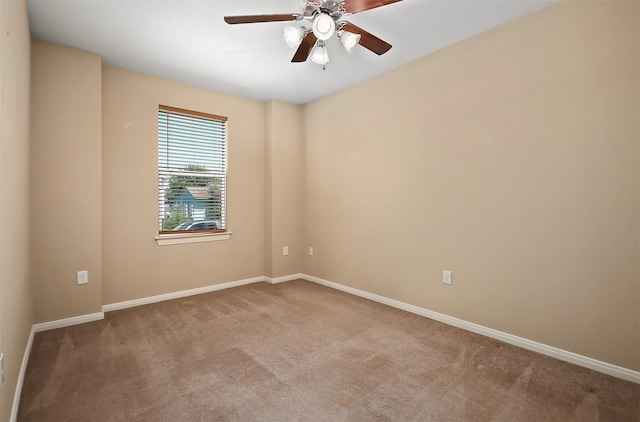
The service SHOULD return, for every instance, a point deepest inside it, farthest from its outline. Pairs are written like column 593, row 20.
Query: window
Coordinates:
column 192, row 171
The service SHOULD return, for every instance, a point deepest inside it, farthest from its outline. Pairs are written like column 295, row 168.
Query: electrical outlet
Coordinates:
column 310, row 250
column 1, row 369
column 446, row 277
column 82, row 277
column 285, row 250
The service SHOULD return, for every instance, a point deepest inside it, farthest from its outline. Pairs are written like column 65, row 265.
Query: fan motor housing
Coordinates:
column 331, row 7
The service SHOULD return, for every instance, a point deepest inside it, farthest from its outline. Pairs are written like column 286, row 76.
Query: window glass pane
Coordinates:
column 192, row 171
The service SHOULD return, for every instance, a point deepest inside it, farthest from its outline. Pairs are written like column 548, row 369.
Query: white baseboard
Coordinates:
column 596, row 365
column 182, row 293
column 67, row 322
column 282, row 279
column 21, row 374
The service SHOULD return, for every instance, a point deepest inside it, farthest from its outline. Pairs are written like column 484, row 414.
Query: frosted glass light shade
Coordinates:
column 349, row 40
column 319, row 54
column 293, row 35
column 324, row 26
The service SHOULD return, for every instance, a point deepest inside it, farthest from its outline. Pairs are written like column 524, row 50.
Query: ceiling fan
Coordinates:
column 325, row 18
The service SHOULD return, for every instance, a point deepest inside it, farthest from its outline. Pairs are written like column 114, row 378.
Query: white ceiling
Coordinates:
column 188, row 40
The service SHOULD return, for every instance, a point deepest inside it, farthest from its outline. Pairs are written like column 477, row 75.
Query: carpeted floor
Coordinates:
column 299, row 351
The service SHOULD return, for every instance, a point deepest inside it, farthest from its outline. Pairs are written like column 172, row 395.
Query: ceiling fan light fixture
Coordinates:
column 349, row 40
column 324, row 26
column 319, row 54
column 325, row 18
column 293, row 35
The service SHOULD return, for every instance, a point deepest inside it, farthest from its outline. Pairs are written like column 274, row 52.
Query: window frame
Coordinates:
column 189, row 236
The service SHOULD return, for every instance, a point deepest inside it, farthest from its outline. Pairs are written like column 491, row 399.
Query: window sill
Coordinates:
column 179, row 239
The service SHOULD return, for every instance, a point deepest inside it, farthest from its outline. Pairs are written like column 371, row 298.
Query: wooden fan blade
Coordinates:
column 355, row 6
column 232, row 20
column 369, row 41
column 305, row 48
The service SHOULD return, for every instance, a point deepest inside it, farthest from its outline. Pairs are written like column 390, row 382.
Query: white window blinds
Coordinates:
column 192, row 170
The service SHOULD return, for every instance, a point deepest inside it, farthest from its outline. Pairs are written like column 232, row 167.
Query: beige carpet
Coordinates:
column 298, row 351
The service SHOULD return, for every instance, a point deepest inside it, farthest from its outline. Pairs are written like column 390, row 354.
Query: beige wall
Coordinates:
column 134, row 266
column 283, row 189
column 16, row 311
column 66, row 175
column 510, row 159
